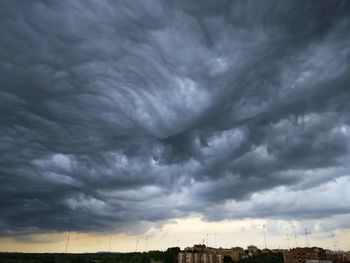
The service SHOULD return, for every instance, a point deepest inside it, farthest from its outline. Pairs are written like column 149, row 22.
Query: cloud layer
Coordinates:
column 115, row 113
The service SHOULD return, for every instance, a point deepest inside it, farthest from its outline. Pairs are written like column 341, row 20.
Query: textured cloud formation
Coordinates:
column 114, row 113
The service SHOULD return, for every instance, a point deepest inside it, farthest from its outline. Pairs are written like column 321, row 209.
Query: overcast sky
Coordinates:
column 124, row 116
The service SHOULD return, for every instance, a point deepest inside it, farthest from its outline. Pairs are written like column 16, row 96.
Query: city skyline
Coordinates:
column 174, row 120
column 183, row 234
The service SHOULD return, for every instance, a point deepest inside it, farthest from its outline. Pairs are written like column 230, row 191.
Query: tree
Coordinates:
column 227, row 259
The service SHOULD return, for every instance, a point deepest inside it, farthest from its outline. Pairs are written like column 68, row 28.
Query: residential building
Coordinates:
column 203, row 254
column 305, row 255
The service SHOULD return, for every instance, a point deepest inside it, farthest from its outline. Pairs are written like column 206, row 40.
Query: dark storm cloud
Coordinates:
column 118, row 112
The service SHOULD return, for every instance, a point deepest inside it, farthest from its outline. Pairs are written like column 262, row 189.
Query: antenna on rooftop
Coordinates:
column 110, row 241
column 207, row 239
column 288, row 241
column 334, row 243
column 68, row 235
column 295, row 236
column 307, row 238
column 137, row 242
column 146, row 243
column 264, row 227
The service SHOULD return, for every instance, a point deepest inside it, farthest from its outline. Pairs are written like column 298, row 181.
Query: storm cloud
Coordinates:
column 115, row 113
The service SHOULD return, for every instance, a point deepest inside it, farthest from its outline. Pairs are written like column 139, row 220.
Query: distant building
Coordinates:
column 345, row 256
column 306, row 255
column 252, row 251
column 338, row 256
column 203, row 254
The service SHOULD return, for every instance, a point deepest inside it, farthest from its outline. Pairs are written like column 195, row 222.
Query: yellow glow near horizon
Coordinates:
column 180, row 232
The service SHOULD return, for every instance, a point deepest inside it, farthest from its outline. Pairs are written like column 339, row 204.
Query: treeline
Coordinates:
column 168, row 256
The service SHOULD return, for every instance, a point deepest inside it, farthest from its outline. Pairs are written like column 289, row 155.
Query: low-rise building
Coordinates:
column 338, row 256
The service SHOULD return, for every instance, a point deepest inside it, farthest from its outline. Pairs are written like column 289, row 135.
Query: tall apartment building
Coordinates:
column 305, row 255
column 203, row 254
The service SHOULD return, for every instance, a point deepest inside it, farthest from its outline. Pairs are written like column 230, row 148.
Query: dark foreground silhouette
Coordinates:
column 168, row 256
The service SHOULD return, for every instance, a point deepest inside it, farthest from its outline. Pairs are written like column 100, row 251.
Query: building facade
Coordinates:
column 306, row 255
column 203, row 254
